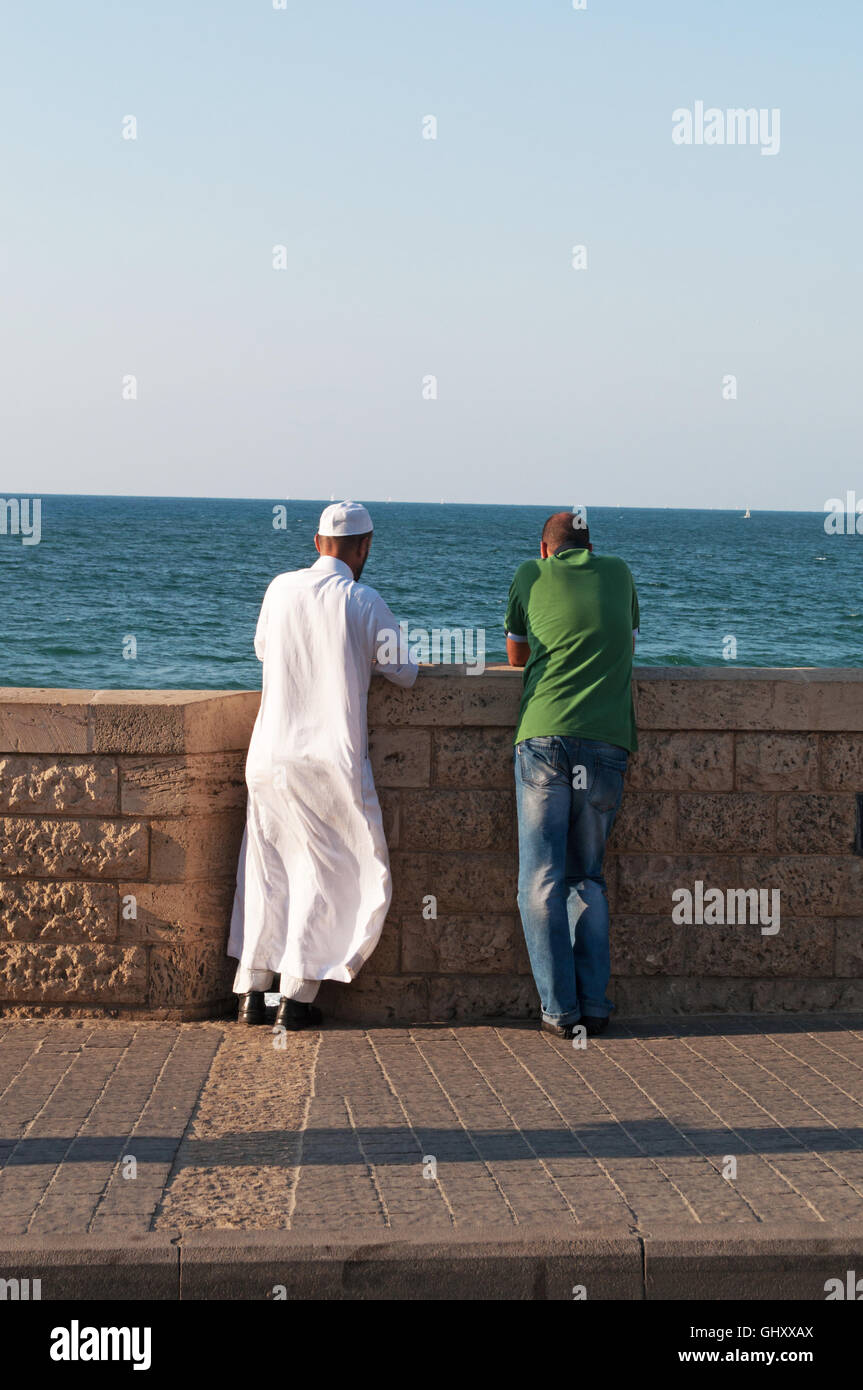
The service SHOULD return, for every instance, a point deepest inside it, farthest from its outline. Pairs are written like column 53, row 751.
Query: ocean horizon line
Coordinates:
column 397, row 501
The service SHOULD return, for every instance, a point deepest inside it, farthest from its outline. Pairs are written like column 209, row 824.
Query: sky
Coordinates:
column 428, row 337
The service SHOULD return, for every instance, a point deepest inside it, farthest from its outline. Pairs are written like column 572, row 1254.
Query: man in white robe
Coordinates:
column 313, row 883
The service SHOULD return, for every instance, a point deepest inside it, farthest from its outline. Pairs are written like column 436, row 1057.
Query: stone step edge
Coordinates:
column 534, row 1262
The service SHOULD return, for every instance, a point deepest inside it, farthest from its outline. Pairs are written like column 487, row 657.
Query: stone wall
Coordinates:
column 121, row 815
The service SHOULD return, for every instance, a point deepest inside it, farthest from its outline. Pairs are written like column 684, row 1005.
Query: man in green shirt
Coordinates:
column 571, row 621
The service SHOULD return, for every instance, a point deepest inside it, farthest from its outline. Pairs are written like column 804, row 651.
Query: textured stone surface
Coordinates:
column 849, row 946
column 48, row 847
column 194, row 973
column 61, row 911
column 400, row 757
column 683, row 762
column 646, row 820
column 800, row 947
column 195, row 847
column 37, row 971
column 734, row 821
column 172, row 912
column 171, row 721
column 330, row 1133
column 482, row 996
column 456, row 820
column 69, row 785
column 811, row 885
column 842, row 762
column 490, row 944
column 473, row 758
column 375, row 998
column 460, row 882
column 707, row 699
column 745, row 779
column 44, row 721
column 647, row 881
column 776, row 762
column 647, row 946
column 811, row 824
column 197, row 785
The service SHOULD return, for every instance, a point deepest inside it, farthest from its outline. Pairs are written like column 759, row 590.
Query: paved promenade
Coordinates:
column 743, row 1126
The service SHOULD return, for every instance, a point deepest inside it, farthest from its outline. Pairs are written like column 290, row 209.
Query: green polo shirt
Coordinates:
column 578, row 611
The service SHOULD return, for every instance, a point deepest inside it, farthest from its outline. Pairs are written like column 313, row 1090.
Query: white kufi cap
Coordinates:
column 344, row 519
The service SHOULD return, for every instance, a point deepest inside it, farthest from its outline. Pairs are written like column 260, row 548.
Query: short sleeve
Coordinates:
column 515, row 623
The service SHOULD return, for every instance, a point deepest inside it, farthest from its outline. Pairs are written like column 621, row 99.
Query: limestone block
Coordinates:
column 172, row 721
column 811, row 885
column 173, row 912
column 390, row 804
column 808, row 824
column 195, row 847
column 801, row 947
column 49, row 973
column 848, row 877
column 457, row 820
column 374, row 998
column 387, row 953
column 734, row 820
column 697, row 762
column 807, row 996
column 45, row 847
column 57, row 911
column 459, row 882
column 44, row 721
column 473, row 758
column 826, row 700
column 705, row 699
column 200, row 784
column 645, row 821
column 776, row 762
column 400, row 757
column 49, row 783
column 650, row 996
column 849, row 946
column 493, row 698
column 646, row 881
column 646, row 946
column 431, row 701
column 189, row 976
column 482, row 996
column 490, row 943
column 842, row 762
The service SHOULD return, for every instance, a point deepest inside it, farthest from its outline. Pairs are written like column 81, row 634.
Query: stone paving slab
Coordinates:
column 743, row 1125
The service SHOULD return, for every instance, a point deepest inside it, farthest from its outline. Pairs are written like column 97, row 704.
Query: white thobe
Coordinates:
column 313, row 882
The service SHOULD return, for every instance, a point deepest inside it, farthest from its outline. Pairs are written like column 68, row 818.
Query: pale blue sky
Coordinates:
column 451, row 257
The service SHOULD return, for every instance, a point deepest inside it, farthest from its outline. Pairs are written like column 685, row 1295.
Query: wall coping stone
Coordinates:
column 164, row 722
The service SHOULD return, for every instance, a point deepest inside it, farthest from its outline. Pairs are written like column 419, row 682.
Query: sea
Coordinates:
column 161, row 592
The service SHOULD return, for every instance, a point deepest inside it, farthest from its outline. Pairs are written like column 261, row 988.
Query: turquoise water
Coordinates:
column 185, row 578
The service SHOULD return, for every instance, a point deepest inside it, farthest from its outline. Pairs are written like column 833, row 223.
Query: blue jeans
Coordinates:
column 568, row 792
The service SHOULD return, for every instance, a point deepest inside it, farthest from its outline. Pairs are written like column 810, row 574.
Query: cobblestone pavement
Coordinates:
column 423, row 1129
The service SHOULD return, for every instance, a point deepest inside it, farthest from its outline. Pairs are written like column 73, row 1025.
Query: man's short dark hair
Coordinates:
column 561, row 533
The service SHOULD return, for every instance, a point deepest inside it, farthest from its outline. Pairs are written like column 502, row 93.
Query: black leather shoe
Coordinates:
column 251, row 1008
column 593, row 1026
column 560, row 1030
column 294, row 1015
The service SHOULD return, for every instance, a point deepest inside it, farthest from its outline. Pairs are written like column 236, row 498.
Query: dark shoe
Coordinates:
column 593, row 1026
column 251, row 1008
column 560, row 1030
column 294, row 1015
